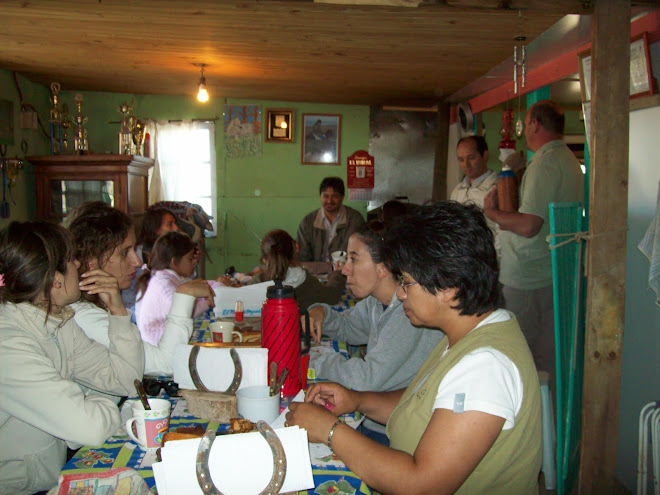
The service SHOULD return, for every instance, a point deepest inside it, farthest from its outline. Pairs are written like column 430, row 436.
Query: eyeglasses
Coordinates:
column 405, row 285
column 152, row 386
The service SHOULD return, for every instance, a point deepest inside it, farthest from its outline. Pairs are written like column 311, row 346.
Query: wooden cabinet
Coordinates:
column 65, row 181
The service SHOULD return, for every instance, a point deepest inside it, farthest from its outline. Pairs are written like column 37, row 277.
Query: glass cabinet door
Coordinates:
column 67, row 194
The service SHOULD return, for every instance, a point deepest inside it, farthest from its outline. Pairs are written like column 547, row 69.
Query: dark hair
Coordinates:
column 335, row 183
column 448, row 245
column 549, row 115
column 393, row 209
column 277, row 251
column 372, row 238
column 153, row 218
column 97, row 230
column 169, row 245
column 30, row 254
column 479, row 142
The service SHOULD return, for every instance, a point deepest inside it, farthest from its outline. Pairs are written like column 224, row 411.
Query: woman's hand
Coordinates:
column 316, row 420
column 316, row 317
column 333, row 397
column 198, row 288
column 96, row 281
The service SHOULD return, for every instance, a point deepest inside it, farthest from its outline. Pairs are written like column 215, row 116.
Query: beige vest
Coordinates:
column 512, row 464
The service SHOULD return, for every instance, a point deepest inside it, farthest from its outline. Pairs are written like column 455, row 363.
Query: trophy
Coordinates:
column 138, row 136
column 128, row 122
column 80, row 132
column 66, row 123
column 55, row 120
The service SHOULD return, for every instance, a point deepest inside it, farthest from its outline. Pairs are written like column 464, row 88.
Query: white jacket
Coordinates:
column 43, row 365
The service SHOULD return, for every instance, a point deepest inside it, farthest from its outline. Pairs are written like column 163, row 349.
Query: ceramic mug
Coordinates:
column 338, row 259
column 146, row 427
column 223, row 331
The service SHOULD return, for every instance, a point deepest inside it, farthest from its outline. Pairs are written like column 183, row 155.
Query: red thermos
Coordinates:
column 280, row 334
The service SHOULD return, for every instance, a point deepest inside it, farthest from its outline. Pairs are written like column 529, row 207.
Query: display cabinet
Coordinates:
column 66, row 181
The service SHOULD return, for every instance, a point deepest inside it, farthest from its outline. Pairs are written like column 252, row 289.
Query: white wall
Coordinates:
column 640, row 380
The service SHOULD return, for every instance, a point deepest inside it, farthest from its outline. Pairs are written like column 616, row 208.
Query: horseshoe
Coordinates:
column 279, row 461
column 238, row 371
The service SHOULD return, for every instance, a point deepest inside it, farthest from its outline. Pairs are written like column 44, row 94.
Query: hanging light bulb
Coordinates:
column 202, row 94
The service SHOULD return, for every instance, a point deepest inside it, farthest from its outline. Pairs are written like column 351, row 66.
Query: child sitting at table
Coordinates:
column 46, row 358
column 105, row 240
column 279, row 254
column 171, row 263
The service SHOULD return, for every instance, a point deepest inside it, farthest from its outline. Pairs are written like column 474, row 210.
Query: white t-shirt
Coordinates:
column 484, row 380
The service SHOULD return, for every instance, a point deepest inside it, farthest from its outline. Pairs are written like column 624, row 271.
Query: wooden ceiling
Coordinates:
column 343, row 51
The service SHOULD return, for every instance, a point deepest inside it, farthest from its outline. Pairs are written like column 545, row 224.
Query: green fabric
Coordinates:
column 512, row 464
column 553, row 175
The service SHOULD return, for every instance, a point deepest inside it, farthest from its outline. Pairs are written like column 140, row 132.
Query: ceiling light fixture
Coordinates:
column 202, row 94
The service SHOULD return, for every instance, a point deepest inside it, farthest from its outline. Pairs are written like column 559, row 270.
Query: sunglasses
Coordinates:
column 152, row 386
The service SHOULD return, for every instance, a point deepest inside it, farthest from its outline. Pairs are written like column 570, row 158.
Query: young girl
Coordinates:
column 172, row 262
column 279, row 254
column 46, row 358
column 105, row 241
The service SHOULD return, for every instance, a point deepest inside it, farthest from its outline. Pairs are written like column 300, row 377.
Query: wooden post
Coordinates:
column 606, row 259
column 439, row 191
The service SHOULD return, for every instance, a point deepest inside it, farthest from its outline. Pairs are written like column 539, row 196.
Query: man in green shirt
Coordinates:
column 553, row 175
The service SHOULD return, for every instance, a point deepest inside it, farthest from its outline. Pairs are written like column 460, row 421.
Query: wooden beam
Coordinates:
column 439, row 191
column 606, row 258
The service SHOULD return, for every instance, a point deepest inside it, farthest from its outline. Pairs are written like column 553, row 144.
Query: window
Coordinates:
column 186, row 157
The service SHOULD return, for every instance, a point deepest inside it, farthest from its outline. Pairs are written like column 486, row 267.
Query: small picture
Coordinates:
column 320, row 139
column 279, row 125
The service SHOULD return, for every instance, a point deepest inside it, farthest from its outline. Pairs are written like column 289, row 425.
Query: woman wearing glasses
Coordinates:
column 395, row 348
column 470, row 421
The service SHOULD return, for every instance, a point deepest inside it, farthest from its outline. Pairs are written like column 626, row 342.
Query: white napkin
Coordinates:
column 240, row 464
column 253, row 297
column 216, row 368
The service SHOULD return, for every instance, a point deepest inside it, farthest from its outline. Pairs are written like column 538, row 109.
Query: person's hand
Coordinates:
column 490, row 200
column 198, row 288
column 333, row 397
column 96, row 281
column 316, row 420
column 316, row 317
column 515, row 162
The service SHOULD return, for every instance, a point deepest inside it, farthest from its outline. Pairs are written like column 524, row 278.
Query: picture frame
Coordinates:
column 279, row 125
column 641, row 75
column 321, row 133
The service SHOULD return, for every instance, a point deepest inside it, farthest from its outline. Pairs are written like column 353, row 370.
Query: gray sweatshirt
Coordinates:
column 396, row 349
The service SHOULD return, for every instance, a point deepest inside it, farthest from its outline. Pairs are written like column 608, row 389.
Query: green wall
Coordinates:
column 255, row 194
column 23, row 193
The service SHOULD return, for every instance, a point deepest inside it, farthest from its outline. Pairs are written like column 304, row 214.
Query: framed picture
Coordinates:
column 320, row 139
column 279, row 125
column 641, row 76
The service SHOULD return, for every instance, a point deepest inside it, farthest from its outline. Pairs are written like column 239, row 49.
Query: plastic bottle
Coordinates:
column 280, row 334
column 507, row 190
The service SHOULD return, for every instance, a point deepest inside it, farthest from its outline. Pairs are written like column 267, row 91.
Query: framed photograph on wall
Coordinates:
column 279, row 125
column 641, row 75
column 320, row 139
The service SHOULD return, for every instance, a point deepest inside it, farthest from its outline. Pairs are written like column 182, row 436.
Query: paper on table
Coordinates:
column 253, row 297
column 216, row 368
column 240, row 464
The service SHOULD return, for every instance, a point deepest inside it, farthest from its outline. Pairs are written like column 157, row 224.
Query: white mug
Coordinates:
column 223, row 331
column 338, row 259
column 146, row 427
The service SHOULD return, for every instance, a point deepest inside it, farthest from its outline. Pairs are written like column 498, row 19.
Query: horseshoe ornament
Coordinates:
column 238, row 371
column 279, row 462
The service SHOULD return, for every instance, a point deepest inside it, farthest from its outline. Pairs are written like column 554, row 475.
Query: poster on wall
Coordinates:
column 242, row 130
column 360, row 175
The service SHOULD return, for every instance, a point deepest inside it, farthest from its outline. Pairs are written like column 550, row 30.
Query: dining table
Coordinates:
column 331, row 476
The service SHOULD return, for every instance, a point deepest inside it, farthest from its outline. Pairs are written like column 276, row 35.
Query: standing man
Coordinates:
column 553, row 175
column 472, row 154
column 327, row 229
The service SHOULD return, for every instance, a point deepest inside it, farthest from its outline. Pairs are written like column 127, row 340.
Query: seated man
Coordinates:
column 327, row 229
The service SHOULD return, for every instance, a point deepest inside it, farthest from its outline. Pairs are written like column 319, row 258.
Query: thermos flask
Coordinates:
column 280, row 334
column 507, row 190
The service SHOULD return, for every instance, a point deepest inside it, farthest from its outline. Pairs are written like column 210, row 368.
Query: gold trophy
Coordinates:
column 126, row 130
column 80, row 133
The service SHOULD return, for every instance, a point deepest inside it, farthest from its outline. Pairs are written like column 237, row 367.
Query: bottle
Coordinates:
column 239, row 309
column 280, row 334
column 507, row 190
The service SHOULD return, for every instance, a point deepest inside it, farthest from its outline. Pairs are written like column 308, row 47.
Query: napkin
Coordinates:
column 216, row 368
column 253, row 297
column 240, row 464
